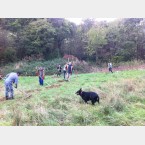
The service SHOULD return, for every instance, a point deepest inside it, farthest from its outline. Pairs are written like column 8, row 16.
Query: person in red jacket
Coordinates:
column 41, row 75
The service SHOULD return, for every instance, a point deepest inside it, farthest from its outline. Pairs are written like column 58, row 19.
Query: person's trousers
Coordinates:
column 9, row 92
column 110, row 69
column 69, row 75
column 58, row 73
column 64, row 72
column 40, row 81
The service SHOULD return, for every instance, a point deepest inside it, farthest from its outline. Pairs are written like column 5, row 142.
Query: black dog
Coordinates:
column 88, row 96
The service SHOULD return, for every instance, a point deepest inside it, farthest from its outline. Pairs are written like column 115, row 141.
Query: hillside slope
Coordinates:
column 122, row 101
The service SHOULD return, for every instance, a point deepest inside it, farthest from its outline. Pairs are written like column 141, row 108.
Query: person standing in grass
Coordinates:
column 64, row 70
column 11, row 78
column 59, row 68
column 110, row 67
column 41, row 75
column 69, row 70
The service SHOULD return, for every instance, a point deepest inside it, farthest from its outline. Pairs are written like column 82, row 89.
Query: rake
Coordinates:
column 46, row 83
column 24, row 94
column 2, row 78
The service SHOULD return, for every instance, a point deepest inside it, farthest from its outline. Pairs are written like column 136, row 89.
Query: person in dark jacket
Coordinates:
column 110, row 67
column 59, row 68
column 69, row 70
column 65, row 70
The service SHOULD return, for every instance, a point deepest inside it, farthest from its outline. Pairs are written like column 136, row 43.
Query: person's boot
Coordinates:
column 7, row 98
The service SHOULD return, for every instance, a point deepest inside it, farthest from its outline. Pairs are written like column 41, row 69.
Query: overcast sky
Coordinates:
column 79, row 20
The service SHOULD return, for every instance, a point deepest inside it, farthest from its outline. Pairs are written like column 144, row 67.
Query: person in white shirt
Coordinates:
column 110, row 67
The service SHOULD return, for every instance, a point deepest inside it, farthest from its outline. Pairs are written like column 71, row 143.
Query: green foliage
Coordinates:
column 37, row 38
column 10, row 55
column 29, row 68
column 96, row 39
column 120, row 40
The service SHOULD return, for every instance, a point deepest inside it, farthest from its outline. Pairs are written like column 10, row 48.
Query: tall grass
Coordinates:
column 122, row 101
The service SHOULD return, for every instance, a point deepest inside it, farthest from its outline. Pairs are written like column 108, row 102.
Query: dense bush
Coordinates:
column 29, row 68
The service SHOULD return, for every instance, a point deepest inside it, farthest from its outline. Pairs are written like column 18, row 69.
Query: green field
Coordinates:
column 122, row 101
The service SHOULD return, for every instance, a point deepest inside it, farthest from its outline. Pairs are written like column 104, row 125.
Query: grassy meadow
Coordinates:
column 122, row 101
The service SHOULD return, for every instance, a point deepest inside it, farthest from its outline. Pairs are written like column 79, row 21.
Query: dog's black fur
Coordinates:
column 88, row 96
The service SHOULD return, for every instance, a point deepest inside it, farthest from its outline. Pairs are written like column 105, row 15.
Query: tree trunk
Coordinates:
column 59, row 48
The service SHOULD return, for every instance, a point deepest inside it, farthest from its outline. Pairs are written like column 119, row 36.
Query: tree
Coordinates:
column 130, row 32
column 7, row 51
column 36, row 38
column 96, row 40
column 63, row 31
